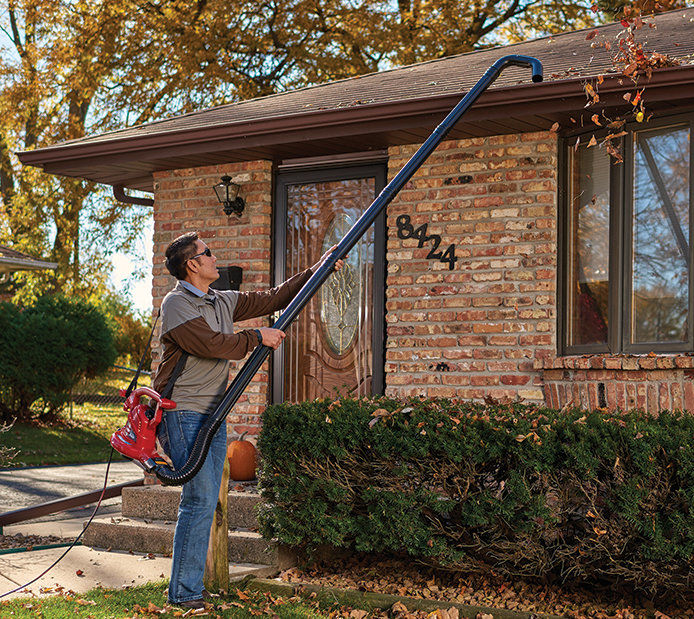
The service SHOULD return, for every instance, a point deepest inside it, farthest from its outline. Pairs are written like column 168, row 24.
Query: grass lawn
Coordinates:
column 83, row 439
column 149, row 600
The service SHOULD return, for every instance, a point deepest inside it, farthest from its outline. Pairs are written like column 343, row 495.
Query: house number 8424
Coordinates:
column 407, row 231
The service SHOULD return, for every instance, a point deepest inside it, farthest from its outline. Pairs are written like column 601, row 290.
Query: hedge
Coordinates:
column 46, row 349
column 597, row 497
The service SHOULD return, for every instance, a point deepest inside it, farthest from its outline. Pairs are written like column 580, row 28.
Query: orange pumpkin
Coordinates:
column 242, row 456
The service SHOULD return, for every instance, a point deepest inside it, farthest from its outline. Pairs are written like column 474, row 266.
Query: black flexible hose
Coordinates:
column 170, row 477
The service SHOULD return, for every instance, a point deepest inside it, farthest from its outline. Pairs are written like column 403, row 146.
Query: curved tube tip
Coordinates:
column 523, row 61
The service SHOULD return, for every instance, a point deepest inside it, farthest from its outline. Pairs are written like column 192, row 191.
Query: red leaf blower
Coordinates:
column 137, row 438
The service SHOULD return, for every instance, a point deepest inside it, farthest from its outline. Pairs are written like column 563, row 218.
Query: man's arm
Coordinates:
column 197, row 338
column 254, row 304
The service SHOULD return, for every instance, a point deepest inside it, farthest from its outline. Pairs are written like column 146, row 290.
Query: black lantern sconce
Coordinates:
column 228, row 194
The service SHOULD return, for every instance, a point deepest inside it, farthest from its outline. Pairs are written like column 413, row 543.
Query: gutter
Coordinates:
column 549, row 98
column 26, row 264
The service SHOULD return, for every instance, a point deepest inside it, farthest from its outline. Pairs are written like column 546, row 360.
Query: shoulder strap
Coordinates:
column 133, row 383
column 174, row 375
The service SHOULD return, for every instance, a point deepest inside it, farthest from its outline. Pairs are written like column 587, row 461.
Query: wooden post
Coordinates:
column 217, row 565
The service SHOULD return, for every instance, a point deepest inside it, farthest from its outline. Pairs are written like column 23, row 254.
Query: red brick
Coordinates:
column 514, row 379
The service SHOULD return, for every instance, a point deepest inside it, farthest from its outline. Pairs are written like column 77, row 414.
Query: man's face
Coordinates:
column 202, row 265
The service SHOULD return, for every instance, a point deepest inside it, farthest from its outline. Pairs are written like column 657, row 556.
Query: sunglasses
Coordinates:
column 207, row 253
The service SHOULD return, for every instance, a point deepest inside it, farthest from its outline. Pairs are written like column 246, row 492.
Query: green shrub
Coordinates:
column 46, row 349
column 597, row 497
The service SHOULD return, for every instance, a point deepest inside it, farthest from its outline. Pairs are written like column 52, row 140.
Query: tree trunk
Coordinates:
column 217, row 565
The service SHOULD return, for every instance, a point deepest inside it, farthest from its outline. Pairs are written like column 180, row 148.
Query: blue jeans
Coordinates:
column 177, row 432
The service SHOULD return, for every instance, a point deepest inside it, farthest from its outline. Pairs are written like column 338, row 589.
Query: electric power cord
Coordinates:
column 77, row 539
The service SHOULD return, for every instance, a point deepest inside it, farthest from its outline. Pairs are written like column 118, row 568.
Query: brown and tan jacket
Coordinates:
column 204, row 328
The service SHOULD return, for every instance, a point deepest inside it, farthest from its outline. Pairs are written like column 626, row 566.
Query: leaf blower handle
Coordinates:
column 137, row 438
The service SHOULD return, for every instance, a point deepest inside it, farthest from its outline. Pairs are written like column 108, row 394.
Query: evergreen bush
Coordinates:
column 46, row 349
column 598, row 497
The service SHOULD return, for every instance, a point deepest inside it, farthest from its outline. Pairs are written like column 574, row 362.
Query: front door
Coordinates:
column 335, row 346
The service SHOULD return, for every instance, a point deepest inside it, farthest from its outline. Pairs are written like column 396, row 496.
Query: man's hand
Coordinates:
column 272, row 337
column 324, row 257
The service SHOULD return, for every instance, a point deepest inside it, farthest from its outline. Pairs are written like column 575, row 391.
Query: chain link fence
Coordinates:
column 104, row 389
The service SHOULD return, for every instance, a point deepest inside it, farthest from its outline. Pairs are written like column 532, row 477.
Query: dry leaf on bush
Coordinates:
column 398, row 607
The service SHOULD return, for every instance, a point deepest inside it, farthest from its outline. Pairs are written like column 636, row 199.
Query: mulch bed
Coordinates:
column 398, row 577
column 28, row 541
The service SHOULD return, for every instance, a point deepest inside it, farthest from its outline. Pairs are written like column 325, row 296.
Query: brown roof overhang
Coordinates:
column 131, row 161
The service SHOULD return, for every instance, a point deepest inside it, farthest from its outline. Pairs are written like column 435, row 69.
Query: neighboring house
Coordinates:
column 12, row 261
column 560, row 276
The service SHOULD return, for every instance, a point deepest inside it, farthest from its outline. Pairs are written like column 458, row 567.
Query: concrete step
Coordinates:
column 161, row 503
column 138, row 534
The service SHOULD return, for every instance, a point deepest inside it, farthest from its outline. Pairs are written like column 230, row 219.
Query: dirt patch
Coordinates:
column 400, row 577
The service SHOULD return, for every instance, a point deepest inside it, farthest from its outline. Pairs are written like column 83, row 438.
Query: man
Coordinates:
column 198, row 322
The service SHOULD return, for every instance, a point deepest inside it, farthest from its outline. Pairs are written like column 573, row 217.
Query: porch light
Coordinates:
column 228, row 194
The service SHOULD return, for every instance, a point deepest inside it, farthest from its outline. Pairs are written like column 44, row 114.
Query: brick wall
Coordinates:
column 485, row 328
column 185, row 201
column 648, row 382
column 475, row 330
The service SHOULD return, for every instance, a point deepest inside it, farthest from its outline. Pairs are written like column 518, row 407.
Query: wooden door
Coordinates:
column 331, row 348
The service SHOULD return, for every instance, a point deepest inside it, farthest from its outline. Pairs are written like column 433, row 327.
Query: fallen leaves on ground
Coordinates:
column 397, row 577
column 28, row 541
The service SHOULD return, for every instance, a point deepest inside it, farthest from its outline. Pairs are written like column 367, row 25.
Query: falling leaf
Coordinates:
column 591, row 35
column 630, row 69
column 626, row 96
column 554, row 128
column 639, row 117
column 592, row 142
column 612, row 136
column 577, row 144
column 596, row 119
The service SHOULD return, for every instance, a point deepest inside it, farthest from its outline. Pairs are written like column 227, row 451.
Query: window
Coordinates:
column 625, row 248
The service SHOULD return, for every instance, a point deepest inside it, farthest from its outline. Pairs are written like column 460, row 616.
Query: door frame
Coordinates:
column 279, row 250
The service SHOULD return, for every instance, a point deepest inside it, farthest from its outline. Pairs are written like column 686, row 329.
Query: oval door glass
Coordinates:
column 340, row 295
